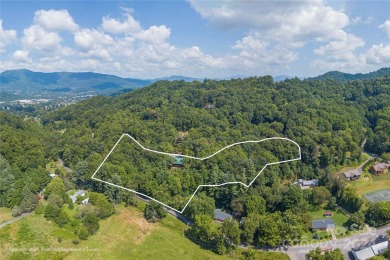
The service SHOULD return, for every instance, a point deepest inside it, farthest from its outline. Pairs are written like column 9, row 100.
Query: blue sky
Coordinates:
column 149, row 39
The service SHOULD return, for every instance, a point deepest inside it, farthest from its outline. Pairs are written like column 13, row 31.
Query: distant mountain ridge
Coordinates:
column 27, row 80
column 23, row 83
column 343, row 77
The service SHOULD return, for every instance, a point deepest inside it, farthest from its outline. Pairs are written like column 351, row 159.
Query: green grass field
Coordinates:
column 125, row 235
column 369, row 182
column 5, row 214
column 339, row 218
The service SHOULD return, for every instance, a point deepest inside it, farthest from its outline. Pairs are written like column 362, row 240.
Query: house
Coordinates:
column 328, row 214
column 52, row 175
column 379, row 168
column 307, row 183
column 177, row 162
column 209, row 106
column 371, row 251
column 353, row 174
column 76, row 194
column 323, row 224
column 84, row 202
column 221, row 216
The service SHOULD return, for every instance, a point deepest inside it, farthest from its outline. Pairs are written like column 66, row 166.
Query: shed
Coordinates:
column 328, row 214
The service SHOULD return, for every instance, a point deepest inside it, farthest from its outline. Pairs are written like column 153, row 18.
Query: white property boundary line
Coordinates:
column 201, row 159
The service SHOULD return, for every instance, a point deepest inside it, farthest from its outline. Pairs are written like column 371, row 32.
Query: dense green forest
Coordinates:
column 329, row 119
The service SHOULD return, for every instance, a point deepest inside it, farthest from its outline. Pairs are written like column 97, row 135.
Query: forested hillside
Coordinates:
column 330, row 120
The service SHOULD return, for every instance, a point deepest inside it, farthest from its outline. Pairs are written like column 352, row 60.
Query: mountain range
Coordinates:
column 21, row 84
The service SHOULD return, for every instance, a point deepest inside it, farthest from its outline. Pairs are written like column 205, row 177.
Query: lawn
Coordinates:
column 339, row 218
column 369, row 182
column 125, row 235
column 5, row 214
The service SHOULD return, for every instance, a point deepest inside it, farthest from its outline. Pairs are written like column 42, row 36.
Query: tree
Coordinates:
column 204, row 228
column 379, row 213
column 332, row 204
column 316, row 254
column 320, row 195
column 105, row 208
column 51, row 212
column 55, row 199
column 255, row 205
column 231, row 232
column 249, row 226
column 200, row 204
column 268, row 232
column 154, row 212
column 56, row 186
column 29, row 200
column 62, row 218
column 16, row 211
column 91, row 223
column 83, row 233
column 357, row 219
column 292, row 198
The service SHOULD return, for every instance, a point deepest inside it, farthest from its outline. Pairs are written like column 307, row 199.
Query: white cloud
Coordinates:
column 379, row 54
column 7, row 37
column 114, row 26
column 88, row 39
column 386, row 27
column 55, row 20
column 156, row 34
column 20, row 55
column 295, row 21
column 36, row 37
column 253, row 48
column 341, row 49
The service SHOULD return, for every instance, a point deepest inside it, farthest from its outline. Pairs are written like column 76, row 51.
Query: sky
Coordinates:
column 214, row 39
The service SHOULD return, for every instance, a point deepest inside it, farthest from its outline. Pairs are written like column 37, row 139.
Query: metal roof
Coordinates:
column 220, row 215
column 322, row 223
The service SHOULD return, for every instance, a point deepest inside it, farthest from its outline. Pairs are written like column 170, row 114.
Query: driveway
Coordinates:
column 14, row 219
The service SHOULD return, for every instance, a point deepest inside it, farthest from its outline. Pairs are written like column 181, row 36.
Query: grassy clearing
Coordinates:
column 339, row 218
column 125, row 235
column 369, row 182
column 5, row 214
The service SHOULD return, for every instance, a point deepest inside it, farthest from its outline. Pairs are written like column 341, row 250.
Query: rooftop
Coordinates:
column 322, row 223
column 351, row 173
column 220, row 215
column 178, row 160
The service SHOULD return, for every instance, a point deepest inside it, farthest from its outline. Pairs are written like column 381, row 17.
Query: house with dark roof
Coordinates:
column 379, row 168
column 353, row 174
column 307, row 183
column 323, row 224
column 221, row 216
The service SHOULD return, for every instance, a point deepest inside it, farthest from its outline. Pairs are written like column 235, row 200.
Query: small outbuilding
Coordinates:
column 328, row 214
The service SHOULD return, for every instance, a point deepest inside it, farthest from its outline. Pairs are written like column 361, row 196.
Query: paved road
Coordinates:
column 345, row 244
column 14, row 219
